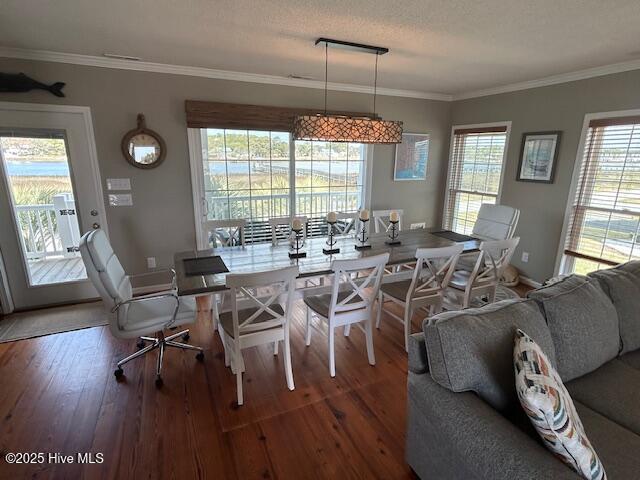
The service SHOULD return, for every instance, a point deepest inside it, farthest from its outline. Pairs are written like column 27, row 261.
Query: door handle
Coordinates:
column 96, row 225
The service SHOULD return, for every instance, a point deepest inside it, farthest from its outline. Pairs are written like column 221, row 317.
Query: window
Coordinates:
column 603, row 228
column 328, row 178
column 255, row 175
column 475, row 170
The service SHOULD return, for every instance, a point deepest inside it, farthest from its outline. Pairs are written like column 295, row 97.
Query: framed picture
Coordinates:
column 411, row 157
column 538, row 156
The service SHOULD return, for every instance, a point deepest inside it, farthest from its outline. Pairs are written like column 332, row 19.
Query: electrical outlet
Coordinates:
column 525, row 257
column 151, row 262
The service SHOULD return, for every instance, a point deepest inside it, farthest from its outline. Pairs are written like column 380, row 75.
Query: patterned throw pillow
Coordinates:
column 548, row 405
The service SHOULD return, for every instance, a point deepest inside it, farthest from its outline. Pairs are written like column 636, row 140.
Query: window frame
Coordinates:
column 194, row 138
column 564, row 263
column 506, row 124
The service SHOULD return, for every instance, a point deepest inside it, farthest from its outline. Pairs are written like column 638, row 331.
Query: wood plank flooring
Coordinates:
column 58, row 395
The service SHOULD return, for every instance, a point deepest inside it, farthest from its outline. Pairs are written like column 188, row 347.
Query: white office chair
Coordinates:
column 426, row 288
column 257, row 320
column 483, row 279
column 281, row 229
column 495, row 222
column 381, row 220
column 350, row 301
column 140, row 316
column 224, row 233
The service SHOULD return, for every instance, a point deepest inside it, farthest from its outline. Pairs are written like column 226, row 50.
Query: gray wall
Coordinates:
column 161, row 220
column 557, row 107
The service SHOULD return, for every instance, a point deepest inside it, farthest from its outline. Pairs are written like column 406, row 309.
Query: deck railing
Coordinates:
column 278, row 205
column 49, row 230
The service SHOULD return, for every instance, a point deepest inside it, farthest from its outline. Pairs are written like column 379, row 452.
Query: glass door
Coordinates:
column 36, row 166
column 50, row 194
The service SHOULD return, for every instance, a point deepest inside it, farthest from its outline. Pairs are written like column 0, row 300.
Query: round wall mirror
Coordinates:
column 142, row 147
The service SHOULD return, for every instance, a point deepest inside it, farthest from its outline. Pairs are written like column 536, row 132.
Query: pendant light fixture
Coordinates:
column 340, row 128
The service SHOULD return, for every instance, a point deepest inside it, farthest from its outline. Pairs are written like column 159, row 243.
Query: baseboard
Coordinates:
column 530, row 282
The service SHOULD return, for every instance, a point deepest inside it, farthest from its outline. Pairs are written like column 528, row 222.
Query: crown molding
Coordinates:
column 141, row 66
column 552, row 80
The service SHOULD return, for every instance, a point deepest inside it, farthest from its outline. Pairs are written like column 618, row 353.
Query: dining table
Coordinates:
column 260, row 257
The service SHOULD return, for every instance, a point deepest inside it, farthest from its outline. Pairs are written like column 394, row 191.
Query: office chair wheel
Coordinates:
column 159, row 381
column 200, row 356
column 140, row 344
column 118, row 373
column 186, row 337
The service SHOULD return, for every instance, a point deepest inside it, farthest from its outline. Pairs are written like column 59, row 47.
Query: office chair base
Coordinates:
column 160, row 343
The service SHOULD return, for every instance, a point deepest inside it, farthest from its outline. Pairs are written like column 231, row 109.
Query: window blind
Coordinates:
column 475, row 168
column 605, row 217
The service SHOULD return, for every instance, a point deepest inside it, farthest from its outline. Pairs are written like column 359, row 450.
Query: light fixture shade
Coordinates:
column 330, row 128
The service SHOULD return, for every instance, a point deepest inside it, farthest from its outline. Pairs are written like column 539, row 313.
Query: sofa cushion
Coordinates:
column 613, row 390
column 555, row 289
column 632, row 359
column 584, row 327
column 472, row 350
column 622, row 285
column 617, row 447
column 550, row 409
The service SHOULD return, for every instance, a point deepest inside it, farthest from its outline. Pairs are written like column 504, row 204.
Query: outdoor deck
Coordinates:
column 56, row 270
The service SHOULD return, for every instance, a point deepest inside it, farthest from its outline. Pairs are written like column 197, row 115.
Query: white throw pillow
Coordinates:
column 548, row 405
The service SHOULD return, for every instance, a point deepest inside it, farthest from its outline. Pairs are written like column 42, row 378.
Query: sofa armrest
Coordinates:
column 457, row 435
column 418, row 362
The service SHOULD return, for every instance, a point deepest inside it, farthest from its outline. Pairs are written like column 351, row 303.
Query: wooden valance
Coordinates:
column 610, row 121
column 249, row 117
column 470, row 131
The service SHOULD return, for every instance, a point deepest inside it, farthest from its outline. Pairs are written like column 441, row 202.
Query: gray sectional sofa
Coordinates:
column 464, row 418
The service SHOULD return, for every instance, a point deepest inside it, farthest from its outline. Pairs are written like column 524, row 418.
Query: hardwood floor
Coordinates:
column 59, row 395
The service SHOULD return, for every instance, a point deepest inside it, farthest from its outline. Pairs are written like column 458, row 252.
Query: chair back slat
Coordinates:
column 224, row 233
column 494, row 256
column 355, row 287
column 381, row 221
column 281, row 228
column 243, row 289
column 346, row 223
column 433, row 270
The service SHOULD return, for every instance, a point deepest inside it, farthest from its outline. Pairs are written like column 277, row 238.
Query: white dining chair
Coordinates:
column 281, row 229
column 381, row 219
column 224, row 233
column 484, row 277
column 426, row 288
column 347, row 223
column 349, row 303
column 135, row 317
column 254, row 320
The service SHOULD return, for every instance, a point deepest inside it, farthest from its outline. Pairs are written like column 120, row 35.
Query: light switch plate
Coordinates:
column 120, row 200
column 118, row 184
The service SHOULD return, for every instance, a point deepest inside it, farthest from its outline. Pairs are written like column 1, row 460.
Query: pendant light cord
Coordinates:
column 326, row 69
column 375, row 85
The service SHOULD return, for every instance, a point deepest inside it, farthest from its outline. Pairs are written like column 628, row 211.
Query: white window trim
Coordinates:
column 506, row 124
column 561, row 258
column 197, row 179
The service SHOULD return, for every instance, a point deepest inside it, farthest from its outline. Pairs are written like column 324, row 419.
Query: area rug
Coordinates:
column 47, row 321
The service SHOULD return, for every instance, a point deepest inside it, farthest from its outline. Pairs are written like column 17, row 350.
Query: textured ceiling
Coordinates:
column 440, row 46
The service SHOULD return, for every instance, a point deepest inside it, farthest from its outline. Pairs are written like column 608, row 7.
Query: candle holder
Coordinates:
column 362, row 236
column 393, row 233
column 295, row 251
column 330, row 249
